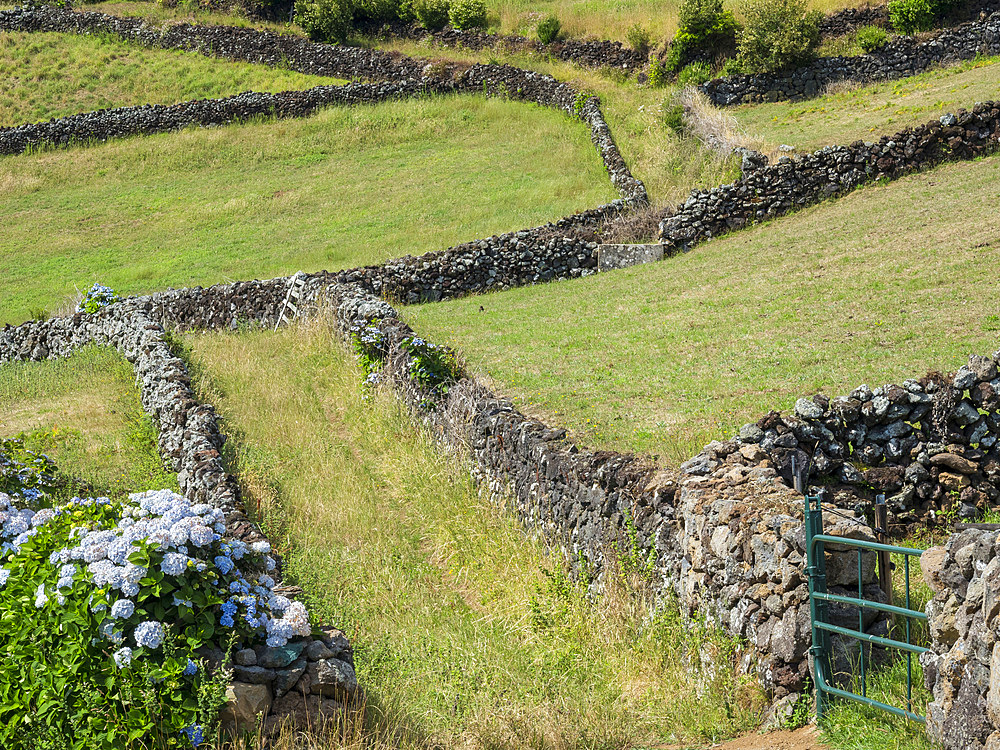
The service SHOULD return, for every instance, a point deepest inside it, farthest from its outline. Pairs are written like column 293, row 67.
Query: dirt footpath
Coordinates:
column 800, row 739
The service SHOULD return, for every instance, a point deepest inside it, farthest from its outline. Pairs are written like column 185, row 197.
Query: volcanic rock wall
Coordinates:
column 780, row 188
column 962, row 669
column 902, row 57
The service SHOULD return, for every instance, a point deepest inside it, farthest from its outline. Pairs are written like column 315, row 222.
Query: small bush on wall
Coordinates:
column 777, row 34
column 432, row 14
column 467, row 14
column 548, row 30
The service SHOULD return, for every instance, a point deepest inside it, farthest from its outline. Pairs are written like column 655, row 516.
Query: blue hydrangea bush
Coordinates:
column 25, row 476
column 104, row 609
column 97, row 296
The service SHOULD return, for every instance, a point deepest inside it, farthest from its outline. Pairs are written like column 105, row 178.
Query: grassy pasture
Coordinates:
column 346, row 187
column 866, row 112
column 55, row 75
column 467, row 633
column 85, row 413
column 877, row 286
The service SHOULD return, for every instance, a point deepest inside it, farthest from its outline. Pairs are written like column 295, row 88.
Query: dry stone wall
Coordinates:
column 727, row 533
column 776, row 189
column 929, row 444
column 902, row 57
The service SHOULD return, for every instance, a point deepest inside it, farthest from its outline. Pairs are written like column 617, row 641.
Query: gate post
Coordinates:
column 816, row 572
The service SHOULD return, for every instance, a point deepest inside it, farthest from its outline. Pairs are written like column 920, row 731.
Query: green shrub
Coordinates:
column 871, row 38
column 377, row 11
column 731, row 68
column 324, row 20
column 658, row 73
column 704, row 27
column 673, row 116
column 432, row 14
column 638, row 39
column 695, row 73
column 104, row 608
column 467, row 14
column 911, row 16
column 777, row 34
column 548, row 29
column 431, row 365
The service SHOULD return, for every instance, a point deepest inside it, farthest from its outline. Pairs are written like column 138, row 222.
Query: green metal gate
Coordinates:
column 822, row 628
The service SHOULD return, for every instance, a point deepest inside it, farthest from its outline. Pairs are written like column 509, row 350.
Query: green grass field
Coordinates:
column 85, row 413
column 877, row 286
column 54, row 75
column 346, row 187
column 867, row 112
column 467, row 634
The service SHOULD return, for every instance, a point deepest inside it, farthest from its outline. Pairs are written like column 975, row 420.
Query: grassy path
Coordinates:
column 468, row 635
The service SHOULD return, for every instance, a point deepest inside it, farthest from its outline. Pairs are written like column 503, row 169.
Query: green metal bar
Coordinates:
column 861, row 625
column 821, row 685
column 909, row 656
column 876, row 639
column 916, row 614
column 816, row 569
column 865, row 544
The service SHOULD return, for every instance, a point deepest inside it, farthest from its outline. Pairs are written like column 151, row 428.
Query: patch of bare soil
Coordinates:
column 806, row 738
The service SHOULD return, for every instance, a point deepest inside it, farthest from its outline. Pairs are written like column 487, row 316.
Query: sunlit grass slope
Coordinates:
column 467, row 634
column 868, row 112
column 875, row 287
column 84, row 412
column 54, row 75
column 346, row 187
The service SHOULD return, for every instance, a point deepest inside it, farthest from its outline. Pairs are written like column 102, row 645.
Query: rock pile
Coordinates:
column 902, row 57
column 929, row 444
column 766, row 192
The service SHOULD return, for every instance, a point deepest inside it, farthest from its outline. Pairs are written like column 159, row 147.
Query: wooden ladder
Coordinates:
column 298, row 283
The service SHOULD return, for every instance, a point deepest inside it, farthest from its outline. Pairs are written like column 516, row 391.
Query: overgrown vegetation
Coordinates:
column 466, row 633
column 777, row 34
column 705, row 28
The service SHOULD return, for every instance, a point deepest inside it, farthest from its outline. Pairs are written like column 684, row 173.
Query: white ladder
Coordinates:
column 295, row 287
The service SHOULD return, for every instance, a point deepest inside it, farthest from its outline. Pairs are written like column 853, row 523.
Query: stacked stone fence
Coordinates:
column 962, row 669
column 776, row 189
column 586, row 53
column 406, row 76
column 902, row 57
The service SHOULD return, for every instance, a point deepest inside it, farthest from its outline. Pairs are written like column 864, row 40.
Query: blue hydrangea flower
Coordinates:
column 122, row 657
column 149, row 634
column 194, row 734
column 122, row 609
column 190, row 669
